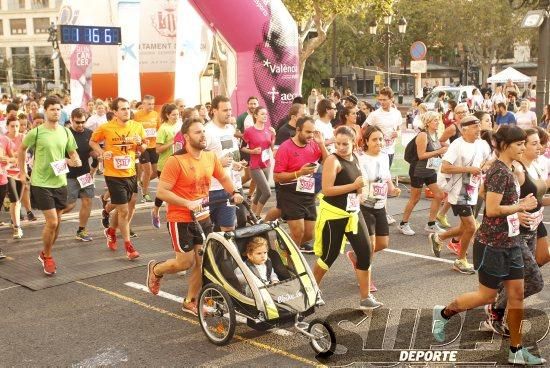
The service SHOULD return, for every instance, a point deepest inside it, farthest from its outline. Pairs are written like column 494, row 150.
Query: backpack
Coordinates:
column 411, row 154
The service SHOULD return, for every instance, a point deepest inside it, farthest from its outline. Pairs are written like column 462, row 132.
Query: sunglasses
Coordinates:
column 80, row 122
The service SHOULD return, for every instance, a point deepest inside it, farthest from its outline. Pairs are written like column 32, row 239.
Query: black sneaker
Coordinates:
column 497, row 326
column 31, row 216
column 132, row 234
column 105, row 219
column 2, row 255
column 307, row 248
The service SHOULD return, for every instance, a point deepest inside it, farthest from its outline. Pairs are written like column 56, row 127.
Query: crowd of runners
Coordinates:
column 331, row 163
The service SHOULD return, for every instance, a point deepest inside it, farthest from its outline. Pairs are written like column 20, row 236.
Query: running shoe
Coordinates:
column 406, row 229
column 463, row 266
column 434, row 228
column 497, row 326
column 369, row 303
column 131, row 252
column 2, row 255
column 306, row 248
column 435, row 243
column 442, row 219
column 190, row 306
column 83, row 236
column 153, row 281
column 30, row 216
column 105, row 219
column 524, row 357
column 17, row 233
column 495, row 321
column 146, row 198
column 47, row 263
column 155, row 220
column 454, row 247
column 438, row 323
column 132, row 234
column 110, row 234
column 390, row 219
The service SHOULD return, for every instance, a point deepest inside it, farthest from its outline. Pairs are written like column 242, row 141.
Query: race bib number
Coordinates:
column 475, row 180
column 60, row 167
column 85, row 180
column 305, row 184
column 150, row 133
column 12, row 171
column 513, row 225
column 237, row 179
column 265, row 155
column 537, row 219
column 202, row 211
column 352, row 203
column 122, row 162
column 434, row 163
column 378, row 190
column 177, row 146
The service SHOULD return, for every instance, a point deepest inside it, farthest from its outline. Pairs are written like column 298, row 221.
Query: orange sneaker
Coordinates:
column 153, row 281
column 131, row 252
column 190, row 306
column 454, row 246
column 47, row 263
column 110, row 234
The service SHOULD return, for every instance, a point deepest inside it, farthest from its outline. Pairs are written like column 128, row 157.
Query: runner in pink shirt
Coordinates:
column 260, row 139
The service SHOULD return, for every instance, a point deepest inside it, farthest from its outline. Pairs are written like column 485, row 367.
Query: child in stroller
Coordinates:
column 259, row 264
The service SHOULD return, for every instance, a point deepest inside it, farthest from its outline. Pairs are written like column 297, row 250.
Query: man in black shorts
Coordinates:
column 149, row 158
column 49, row 141
column 80, row 181
column 462, row 164
column 123, row 138
column 295, row 162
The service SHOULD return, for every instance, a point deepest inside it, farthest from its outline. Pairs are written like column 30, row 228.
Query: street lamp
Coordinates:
column 52, row 37
column 401, row 27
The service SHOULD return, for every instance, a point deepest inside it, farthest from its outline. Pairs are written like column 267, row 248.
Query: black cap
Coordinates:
column 352, row 99
column 469, row 120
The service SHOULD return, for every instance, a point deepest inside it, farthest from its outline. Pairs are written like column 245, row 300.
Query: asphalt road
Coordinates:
column 110, row 320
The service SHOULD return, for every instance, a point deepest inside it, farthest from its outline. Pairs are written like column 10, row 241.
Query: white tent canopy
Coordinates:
column 507, row 74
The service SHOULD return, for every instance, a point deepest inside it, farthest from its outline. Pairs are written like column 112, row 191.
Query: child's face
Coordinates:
column 258, row 256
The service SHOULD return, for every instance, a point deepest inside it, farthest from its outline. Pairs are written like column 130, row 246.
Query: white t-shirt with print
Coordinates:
column 524, row 120
column 327, row 131
column 377, row 170
column 464, row 189
column 220, row 141
column 389, row 122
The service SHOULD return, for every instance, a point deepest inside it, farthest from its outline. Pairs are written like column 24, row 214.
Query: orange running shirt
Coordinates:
column 119, row 139
column 151, row 124
column 190, row 179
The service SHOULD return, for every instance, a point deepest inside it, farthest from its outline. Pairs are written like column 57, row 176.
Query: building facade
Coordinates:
column 25, row 53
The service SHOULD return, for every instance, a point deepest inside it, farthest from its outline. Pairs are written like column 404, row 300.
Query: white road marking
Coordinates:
column 10, row 287
column 418, row 256
column 179, row 299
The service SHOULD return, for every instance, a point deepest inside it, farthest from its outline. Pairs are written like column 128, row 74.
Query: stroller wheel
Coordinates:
column 216, row 314
column 324, row 342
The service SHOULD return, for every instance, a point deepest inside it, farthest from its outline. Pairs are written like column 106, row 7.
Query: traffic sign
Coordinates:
column 419, row 66
column 418, row 50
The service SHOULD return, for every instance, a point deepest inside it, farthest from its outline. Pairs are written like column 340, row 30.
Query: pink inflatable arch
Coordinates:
column 265, row 38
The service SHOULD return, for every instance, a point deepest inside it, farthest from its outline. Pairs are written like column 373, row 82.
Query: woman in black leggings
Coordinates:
column 340, row 215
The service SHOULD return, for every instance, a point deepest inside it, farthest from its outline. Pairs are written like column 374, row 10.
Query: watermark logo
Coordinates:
column 164, row 21
column 280, row 68
column 394, row 337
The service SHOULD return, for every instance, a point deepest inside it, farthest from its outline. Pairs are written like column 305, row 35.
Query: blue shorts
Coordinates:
column 221, row 214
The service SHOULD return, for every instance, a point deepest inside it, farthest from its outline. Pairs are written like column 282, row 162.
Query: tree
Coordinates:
column 482, row 29
column 317, row 16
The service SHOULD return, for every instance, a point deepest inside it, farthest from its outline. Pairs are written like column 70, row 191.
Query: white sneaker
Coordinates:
column 435, row 228
column 390, row 219
column 406, row 229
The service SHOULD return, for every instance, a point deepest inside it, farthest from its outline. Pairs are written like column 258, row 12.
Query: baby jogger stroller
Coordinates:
column 264, row 306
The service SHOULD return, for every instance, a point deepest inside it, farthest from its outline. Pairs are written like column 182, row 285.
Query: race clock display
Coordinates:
column 89, row 35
